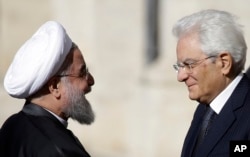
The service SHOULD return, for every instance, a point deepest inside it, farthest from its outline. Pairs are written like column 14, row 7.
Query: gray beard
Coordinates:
column 78, row 108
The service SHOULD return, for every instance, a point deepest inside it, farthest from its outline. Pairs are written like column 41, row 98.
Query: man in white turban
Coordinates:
column 50, row 73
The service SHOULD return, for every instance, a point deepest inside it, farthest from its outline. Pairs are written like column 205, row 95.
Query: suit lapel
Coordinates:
column 191, row 136
column 225, row 119
column 216, row 132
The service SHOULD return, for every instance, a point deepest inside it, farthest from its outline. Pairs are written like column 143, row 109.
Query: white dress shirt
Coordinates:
column 218, row 103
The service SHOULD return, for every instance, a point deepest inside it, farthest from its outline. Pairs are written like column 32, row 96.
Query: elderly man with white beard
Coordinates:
column 50, row 73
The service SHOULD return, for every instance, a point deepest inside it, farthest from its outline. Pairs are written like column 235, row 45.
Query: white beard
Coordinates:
column 78, row 108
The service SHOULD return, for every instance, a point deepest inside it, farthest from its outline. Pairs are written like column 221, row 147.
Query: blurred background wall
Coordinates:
column 141, row 109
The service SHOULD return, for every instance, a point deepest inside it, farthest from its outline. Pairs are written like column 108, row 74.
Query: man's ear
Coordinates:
column 226, row 63
column 54, row 86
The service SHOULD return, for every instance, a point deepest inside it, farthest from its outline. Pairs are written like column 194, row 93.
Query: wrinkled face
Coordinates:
column 205, row 80
column 77, row 84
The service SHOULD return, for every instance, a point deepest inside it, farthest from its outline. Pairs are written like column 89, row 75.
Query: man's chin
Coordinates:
column 192, row 96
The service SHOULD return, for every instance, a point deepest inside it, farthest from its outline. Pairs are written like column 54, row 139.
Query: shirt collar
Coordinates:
column 218, row 103
column 64, row 122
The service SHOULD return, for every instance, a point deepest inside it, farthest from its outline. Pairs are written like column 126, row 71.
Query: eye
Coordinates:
column 189, row 62
column 83, row 72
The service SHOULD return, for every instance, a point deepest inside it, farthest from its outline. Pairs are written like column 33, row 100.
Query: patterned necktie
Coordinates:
column 208, row 118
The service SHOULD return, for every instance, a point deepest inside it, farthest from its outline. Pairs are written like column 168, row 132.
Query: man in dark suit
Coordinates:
column 48, row 71
column 211, row 54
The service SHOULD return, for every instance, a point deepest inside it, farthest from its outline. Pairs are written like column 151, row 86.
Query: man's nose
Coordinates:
column 182, row 75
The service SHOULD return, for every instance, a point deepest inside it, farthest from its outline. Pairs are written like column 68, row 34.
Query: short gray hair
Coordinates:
column 218, row 31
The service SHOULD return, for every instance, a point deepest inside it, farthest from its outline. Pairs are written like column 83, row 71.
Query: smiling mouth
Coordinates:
column 190, row 85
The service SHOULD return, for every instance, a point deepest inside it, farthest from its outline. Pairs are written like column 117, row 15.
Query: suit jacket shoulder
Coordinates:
column 233, row 123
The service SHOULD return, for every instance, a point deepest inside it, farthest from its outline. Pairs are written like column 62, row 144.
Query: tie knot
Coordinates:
column 209, row 113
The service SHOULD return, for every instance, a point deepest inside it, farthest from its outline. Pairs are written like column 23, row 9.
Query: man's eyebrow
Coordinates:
column 187, row 60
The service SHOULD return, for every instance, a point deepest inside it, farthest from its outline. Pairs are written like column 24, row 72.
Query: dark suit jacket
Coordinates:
column 34, row 132
column 233, row 123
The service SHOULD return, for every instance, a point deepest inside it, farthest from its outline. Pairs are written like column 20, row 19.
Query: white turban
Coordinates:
column 37, row 60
